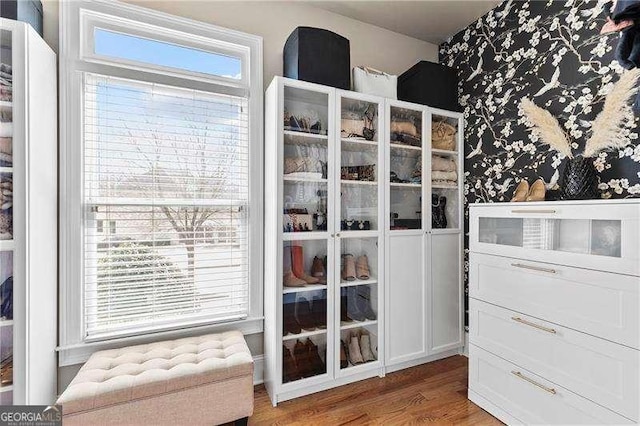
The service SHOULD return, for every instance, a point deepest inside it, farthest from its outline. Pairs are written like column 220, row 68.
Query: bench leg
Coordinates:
column 241, row 422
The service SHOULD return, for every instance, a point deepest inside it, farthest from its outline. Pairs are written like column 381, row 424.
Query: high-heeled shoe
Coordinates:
column 537, row 191
column 521, row 192
column 348, row 267
column 344, row 363
column 318, row 271
column 365, row 348
column 363, row 302
column 355, row 356
column 353, row 308
column 362, row 267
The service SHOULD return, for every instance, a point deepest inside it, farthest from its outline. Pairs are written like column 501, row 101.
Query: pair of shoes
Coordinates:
column 355, row 304
column 524, row 193
column 311, row 315
column 304, row 362
column 358, row 351
column 352, row 268
column 293, row 268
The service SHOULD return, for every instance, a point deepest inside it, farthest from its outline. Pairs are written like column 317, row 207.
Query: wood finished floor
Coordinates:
column 434, row 393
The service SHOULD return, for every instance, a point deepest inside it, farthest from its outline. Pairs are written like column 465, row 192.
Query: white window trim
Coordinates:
column 73, row 348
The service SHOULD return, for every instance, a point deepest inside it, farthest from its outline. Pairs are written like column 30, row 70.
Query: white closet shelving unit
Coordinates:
column 346, row 204
column 28, row 219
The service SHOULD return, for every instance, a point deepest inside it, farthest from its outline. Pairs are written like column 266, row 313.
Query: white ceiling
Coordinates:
column 429, row 20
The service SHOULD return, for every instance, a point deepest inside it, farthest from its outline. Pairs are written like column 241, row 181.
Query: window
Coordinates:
column 163, row 173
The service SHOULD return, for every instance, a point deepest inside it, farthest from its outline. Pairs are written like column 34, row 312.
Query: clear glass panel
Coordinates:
column 358, row 301
column 306, row 157
column 583, row 236
column 154, row 52
column 359, row 168
column 6, row 326
column 304, row 309
column 444, row 133
column 405, row 168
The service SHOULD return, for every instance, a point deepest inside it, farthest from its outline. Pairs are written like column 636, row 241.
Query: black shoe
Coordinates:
column 363, row 301
column 289, row 368
column 353, row 311
column 304, row 315
column 316, row 365
column 289, row 322
column 319, row 312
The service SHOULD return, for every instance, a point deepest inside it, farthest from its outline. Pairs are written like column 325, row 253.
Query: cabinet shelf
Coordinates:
column 359, row 145
column 356, row 324
column 405, row 147
column 294, row 179
column 5, row 105
column 6, row 388
column 311, row 287
column 302, row 236
column 303, row 135
column 358, row 182
column 405, row 185
column 358, row 282
column 7, row 245
column 304, row 334
column 437, row 186
column 6, row 323
column 358, row 234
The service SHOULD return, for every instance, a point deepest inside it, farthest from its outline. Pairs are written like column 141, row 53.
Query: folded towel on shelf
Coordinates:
column 302, row 164
column 438, row 175
column 6, row 129
column 443, row 164
column 443, row 182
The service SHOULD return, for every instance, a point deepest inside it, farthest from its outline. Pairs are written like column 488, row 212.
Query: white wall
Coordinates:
column 274, row 20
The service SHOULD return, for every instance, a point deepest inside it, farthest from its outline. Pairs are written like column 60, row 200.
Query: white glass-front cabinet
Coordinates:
column 323, row 253
column 28, row 217
column 345, row 203
column 424, row 237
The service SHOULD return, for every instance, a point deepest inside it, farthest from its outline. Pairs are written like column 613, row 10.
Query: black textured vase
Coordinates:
column 579, row 179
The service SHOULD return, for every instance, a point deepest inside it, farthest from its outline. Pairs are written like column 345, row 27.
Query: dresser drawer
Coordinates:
column 598, row 303
column 528, row 397
column 600, row 236
column 599, row 370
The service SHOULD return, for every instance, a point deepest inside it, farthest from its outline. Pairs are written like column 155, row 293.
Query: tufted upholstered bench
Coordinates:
column 195, row 381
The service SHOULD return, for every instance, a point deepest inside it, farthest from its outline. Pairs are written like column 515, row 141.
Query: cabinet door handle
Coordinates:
column 530, row 324
column 534, row 268
column 533, row 382
column 550, row 211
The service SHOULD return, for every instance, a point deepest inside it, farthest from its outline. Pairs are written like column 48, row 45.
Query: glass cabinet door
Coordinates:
column 359, row 165
column 445, row 208
column 405, row 168
column 359, row 302
column 306, row 160
column 582, row 236
column 6, row 218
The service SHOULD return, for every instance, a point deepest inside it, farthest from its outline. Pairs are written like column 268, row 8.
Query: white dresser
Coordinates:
column 554, row 311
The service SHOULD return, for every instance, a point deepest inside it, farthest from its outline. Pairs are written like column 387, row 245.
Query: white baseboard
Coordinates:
column 258, row 369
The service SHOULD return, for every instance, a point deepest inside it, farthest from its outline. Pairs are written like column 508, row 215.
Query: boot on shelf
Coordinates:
column 348, row 267
column 319, row 312
column 289, row 322
column 297, row 260
column 317, row 366
column 362, row 268
column 344, row 362
column 344, row 316
column 365, row 348
column 318, row 271
column 304, row 315
column 355, row 356
column 353, row 311
column 363, row 302
column 289, row 368
column 289, row 279
column 301, row 355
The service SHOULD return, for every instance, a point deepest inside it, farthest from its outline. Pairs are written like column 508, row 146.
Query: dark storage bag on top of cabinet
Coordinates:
column 430, row 84
column 318, row 56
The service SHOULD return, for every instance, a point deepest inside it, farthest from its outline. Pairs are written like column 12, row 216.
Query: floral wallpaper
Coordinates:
column 551, row 52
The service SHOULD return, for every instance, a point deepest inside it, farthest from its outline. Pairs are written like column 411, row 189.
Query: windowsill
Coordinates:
column 80, row 353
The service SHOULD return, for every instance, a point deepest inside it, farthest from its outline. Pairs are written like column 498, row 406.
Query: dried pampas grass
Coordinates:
column 546, row 127
column 606, row 130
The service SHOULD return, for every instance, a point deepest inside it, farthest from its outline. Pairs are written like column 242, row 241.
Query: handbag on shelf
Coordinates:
column 443, row 136
column 375, row 82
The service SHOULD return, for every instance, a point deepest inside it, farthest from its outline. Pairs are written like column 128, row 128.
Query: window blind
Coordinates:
column 166, row 188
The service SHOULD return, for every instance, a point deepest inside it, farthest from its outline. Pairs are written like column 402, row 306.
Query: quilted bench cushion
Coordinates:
column 126, row 374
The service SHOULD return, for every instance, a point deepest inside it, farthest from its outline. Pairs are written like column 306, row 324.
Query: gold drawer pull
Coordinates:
column 550, row 211
column 533, row 268
column 530, row 324
column 533, row 382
